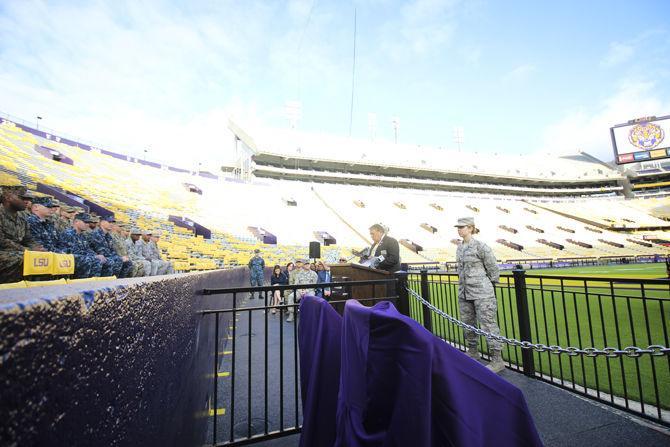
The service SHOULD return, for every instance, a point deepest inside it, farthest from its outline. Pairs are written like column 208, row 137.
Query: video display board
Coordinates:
column 642, row 139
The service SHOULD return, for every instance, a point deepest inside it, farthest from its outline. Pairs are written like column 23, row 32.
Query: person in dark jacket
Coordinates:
column 323, row 274
column 385, row 249
column 278, row 277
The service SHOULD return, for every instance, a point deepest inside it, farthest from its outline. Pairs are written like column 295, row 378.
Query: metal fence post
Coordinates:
column 403, row 296
column 425, row 293
column 524, row 320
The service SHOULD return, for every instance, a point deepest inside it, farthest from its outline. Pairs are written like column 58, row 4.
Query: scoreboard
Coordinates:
column 642, row 139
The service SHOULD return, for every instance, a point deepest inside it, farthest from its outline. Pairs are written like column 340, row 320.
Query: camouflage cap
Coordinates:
column 465, row 221
column 44, row 201
column 95, row 219
column 84, row 217
column 135, row 230
column 56, row 202
column 146, row 232
column 28, row 194
column 69, row 209
column 17, row 189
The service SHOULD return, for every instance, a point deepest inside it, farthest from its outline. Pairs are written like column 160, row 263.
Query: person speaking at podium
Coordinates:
column 384, row 254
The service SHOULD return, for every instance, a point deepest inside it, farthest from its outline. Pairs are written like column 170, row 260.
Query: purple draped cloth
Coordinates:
column 319, row 337
column 399, row 385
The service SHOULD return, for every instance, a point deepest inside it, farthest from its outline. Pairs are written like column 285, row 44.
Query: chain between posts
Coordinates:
column 629, row 351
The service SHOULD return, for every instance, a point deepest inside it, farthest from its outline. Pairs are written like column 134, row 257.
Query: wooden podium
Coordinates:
column 356, row 272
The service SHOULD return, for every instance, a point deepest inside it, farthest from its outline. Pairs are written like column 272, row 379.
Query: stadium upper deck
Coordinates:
column 288, row 154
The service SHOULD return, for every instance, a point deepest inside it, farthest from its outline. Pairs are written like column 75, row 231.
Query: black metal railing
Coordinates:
column 255, row 364
column 613, row 329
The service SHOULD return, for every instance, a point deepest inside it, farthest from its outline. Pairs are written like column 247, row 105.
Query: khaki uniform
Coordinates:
column 477, row 273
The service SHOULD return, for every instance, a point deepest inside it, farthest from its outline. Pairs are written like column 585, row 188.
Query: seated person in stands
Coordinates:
column 119, row 236
column 100, row 241
column 93, row 224
column 87, row 263
column 166, row 265
column 27, row 198
column 323, row 276
column 134, row 247
column 15, row 235
column 41, row 227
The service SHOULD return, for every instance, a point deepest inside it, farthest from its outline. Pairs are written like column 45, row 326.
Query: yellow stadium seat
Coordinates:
column 53, row 282
column 37, row 263
column 63, row 264
column 13, row 285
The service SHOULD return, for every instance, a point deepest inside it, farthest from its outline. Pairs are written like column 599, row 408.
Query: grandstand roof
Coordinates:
column 277, row 147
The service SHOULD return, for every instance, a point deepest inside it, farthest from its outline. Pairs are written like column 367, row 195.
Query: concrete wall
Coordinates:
column 115, row 363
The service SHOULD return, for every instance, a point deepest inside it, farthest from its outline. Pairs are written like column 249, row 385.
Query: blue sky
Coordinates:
column 517, row 76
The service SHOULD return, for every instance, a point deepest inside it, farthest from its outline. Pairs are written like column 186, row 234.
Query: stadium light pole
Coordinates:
column 38, row 122
column 396, row 124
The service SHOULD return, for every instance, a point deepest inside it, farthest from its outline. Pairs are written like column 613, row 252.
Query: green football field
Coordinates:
column 583, row 313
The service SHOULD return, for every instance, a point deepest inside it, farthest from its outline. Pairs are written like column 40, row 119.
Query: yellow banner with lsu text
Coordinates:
column 63, row 264
column 37, row 263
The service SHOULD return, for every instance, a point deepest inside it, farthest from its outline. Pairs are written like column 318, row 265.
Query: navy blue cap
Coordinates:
column 44, row 201
column 109, row 218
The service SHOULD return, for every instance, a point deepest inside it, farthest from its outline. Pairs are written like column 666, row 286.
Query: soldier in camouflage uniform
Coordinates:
column 119, row 244
column 59, row 223
column 15, row 235
column 477, row 274
column 302, row 274
column 67, row 214
column 87, row 263
column 135, row 250
column 150, row 252
column 166, row 264
column 27, row 196
column 41, row 228
column 100, row 242
column 256, row 272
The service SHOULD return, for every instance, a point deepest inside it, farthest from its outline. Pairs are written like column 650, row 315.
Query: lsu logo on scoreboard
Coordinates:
column 646, row 136
column 41, row 262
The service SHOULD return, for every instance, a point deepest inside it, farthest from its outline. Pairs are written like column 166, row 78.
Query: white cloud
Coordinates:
column 618, row 53
column 519, row 73
column 131, row 74
column 422, row 27
column 589, row 130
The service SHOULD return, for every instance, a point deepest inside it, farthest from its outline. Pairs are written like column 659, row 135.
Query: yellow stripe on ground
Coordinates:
column 225, row 352
column 219, row 412
column 219, row 374
column 210, row 413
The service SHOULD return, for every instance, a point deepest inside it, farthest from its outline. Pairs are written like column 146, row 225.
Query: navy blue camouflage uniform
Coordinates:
column 86, row 265
column 44, row 233
column 257, row 268
column 101, row 243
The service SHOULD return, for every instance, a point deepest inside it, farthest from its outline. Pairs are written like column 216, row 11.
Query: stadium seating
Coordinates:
column 146, row 196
